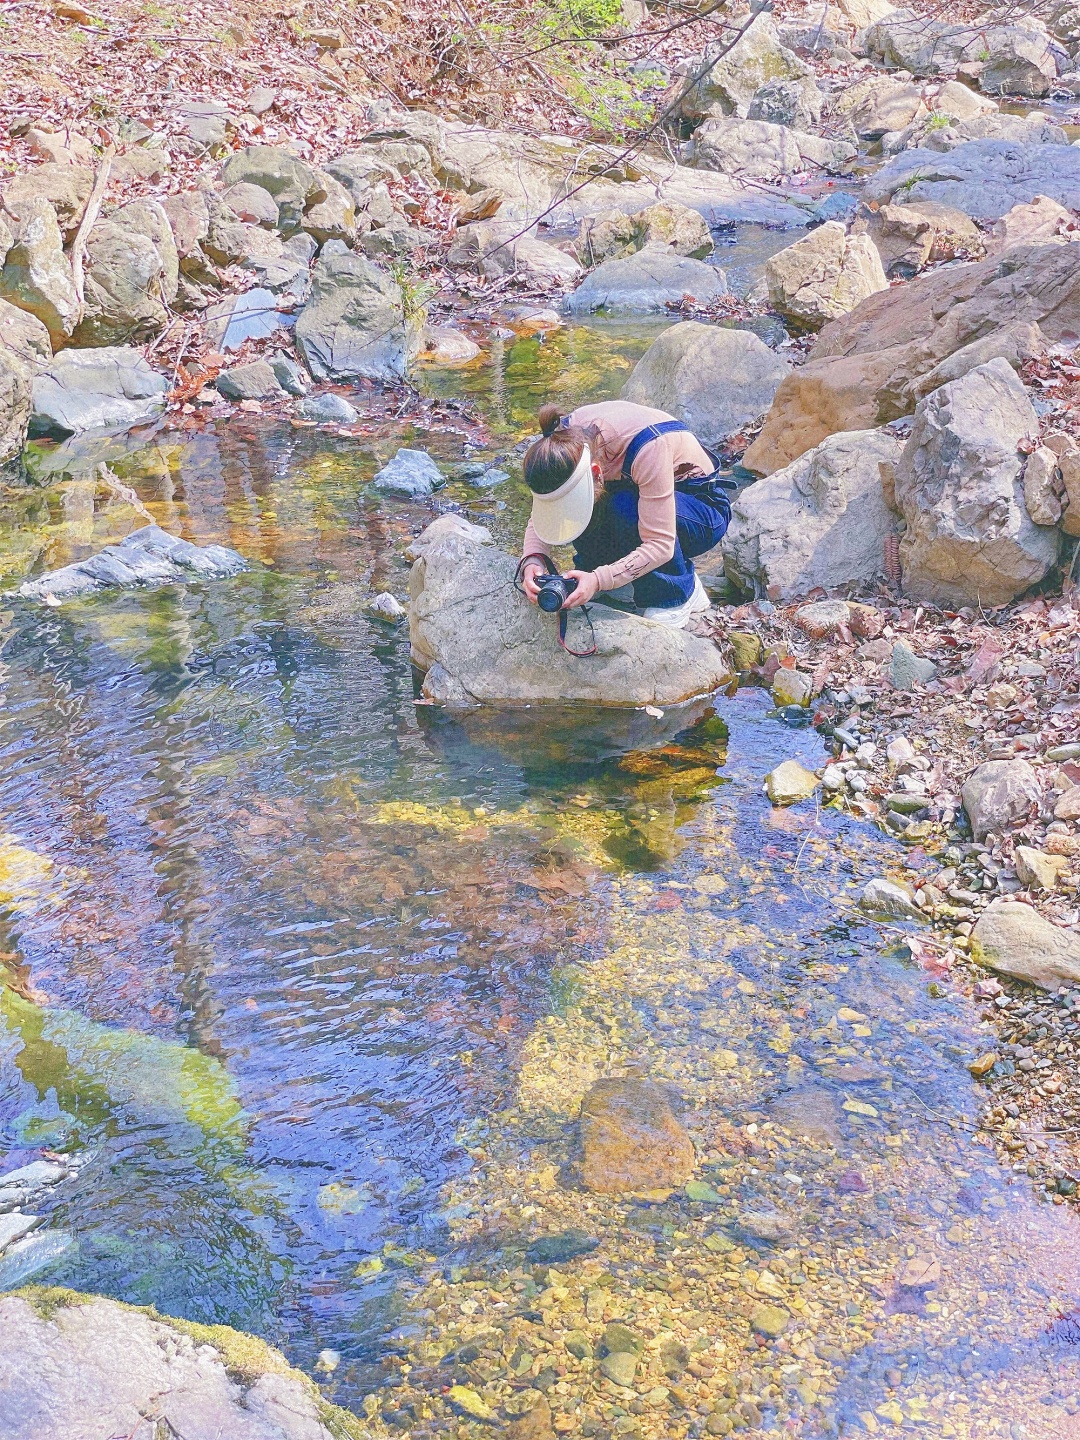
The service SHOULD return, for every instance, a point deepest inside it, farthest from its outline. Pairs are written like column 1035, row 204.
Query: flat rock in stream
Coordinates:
column 150, row 556
column 480, row 641
column 633, row 1141
column 81, row 1365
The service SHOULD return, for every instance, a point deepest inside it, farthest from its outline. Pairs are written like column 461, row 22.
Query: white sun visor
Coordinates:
column 562, row 515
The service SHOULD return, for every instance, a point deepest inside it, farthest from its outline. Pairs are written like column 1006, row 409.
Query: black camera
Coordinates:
column 554, row 591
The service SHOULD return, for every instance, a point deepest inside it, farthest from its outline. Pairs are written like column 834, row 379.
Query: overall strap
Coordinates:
column 642, row 438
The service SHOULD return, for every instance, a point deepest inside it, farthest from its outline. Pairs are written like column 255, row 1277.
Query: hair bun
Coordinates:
column 550, row 418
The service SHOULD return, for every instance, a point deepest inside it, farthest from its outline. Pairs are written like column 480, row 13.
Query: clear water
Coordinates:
column 309, row 964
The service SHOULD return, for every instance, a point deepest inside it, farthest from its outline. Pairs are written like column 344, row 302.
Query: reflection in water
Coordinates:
column 317, row 977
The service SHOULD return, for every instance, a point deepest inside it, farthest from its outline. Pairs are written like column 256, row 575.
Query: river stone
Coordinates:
column 81, row 389
column 997, row 126
column 146, row 557
column 619, row 1367
column 959, row 486
column 822, row 618
column 868, row 367
column 189, row 217
column 36, row 276
column 769, row 1320
column 908, row 670
column 632, row 1139
column 983, row 178
column 824, row 275
column 24, row 335
column 766, row 152
column 647, row 283
column 821, row 521
column 252, row 204
column 353, row 326
column 1000, row 794
column 81, row 1365
column 1041, row 221
column 293, row 184
column 808, row 1110
column 16, row 402
column 791, row 687
column 123, row 289
column 327, row 410
column 65, row 187
column 412, row 473
column 713, row 379
column 254, row 380
column 746, row 649
column 729, row 86
column 558, row 1249
column 790, row 782
column 1038, row 871
column 886, row 898
column 1016, row 940
column 290, row 377
column 472, row 631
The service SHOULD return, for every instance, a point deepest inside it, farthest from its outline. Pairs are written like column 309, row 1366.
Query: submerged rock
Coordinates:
column 74, row 1364
column 148, row 556
column 633, row 1141
column 479, row 640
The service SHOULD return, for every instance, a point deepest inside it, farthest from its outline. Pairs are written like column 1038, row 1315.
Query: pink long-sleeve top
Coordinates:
column 611, row 426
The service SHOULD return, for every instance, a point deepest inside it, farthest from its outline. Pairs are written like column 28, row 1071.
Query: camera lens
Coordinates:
column 549, row 599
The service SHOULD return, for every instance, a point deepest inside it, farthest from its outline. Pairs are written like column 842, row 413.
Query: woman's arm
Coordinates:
column 533, row 546
column 653, row 472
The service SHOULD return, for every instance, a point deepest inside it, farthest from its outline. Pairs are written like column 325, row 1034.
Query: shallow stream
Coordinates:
column 319, row 977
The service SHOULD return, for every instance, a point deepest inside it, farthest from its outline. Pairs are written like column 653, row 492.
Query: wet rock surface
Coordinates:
column 479, row 640
column 632, row 1140
column 83, row 1364
column 147, row 557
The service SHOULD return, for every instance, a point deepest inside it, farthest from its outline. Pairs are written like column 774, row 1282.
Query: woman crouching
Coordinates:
column 637, row 495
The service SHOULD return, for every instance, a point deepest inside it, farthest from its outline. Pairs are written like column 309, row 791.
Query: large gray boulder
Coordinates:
column 824, row 275
column 713, row 379
column 766, row 152
column 354, row 326
column 1010, row 59
column 907, row 237
column 36, row 276
column 649, row 282
column 821, row 521
column 613, row 233
column 124, row 287
column 797, row 103
column 879, row 104
column 959, row 484
column 1015, row 940
column 81, row 1365
column 1000, row 794
column 480, row 641
column 730, row 85
column 983, row 178
column 24, row 334
column 81, row 389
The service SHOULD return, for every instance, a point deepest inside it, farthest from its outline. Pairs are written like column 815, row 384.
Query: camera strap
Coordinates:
column 546, row 560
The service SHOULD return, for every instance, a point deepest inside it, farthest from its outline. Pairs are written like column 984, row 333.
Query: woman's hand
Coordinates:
column 529, row 571
column 588, row 587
